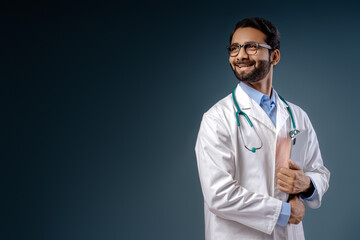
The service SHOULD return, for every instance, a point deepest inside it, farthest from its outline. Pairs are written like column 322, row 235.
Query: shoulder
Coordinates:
column 220, row 118
column 221, row 109
column 297, row 109
column 217, row 122
column 299, row 114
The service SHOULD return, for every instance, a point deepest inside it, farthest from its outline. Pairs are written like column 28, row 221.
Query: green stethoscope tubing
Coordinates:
column 292, row 133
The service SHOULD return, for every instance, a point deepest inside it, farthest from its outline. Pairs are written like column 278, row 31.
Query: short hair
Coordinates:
column 263, row 25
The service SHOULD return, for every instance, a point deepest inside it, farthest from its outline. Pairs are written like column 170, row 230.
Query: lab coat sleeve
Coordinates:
column 314, row 167
column 223, row 195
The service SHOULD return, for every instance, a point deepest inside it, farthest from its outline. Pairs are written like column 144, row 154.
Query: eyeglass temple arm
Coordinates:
column 264, row 45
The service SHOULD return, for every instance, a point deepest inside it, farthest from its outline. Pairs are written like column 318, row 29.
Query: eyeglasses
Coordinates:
column 250, row 48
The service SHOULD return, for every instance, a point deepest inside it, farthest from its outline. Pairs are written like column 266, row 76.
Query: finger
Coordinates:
column 293, row 165
column 283, row 187
column 293, row 221
column 288, row 172
column 285, row 178
column 285, row 190
column 284, row 184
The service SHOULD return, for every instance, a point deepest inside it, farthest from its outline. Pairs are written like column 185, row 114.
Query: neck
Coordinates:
column 264, row 86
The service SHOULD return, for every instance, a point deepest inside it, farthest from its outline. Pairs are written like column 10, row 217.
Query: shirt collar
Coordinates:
column 273, row 96
column 256, row 95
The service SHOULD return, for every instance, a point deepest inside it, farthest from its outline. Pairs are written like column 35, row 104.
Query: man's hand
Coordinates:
column 297, row 210
column 294, row 180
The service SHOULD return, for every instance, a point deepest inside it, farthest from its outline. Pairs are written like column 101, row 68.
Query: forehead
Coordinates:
column 248, row 34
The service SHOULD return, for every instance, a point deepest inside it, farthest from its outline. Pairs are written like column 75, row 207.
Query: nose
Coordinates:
column 242, row 54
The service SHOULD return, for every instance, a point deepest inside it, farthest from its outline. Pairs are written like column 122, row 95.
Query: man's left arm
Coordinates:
column 313, row 180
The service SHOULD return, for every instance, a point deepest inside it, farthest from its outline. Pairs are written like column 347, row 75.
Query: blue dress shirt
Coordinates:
column 265, row 102
column 268, row 104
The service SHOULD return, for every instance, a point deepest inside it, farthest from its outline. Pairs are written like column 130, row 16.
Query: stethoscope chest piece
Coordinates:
column 293, row 133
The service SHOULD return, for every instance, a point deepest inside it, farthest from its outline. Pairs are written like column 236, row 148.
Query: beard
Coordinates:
column 257, row 74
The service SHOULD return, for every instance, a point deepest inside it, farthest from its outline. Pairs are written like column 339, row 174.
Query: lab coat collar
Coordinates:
column 252, row 109
column 253, row 93
column 282, row 114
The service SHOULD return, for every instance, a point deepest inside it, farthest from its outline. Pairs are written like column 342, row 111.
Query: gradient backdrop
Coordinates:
column 101, row 104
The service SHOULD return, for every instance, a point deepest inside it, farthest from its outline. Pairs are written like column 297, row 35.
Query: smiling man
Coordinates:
column 258, row 155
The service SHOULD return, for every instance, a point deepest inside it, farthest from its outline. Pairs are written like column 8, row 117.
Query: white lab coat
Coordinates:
column 241, row 197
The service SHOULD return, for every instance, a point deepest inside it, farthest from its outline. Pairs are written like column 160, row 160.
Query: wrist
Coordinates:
column 309, row 184
column 309, row 190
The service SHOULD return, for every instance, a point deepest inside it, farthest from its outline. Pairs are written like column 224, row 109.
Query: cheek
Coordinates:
column 233, row 60
column 258, row 60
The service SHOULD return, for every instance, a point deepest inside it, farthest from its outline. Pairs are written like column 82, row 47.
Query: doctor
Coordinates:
column 251, row 188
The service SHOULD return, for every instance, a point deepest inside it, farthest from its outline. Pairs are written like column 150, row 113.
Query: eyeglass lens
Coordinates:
column 250, row 49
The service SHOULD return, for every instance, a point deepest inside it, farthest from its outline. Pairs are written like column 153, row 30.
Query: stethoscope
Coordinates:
column 293, row 132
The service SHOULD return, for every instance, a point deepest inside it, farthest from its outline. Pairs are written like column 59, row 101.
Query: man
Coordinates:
column 251, row 187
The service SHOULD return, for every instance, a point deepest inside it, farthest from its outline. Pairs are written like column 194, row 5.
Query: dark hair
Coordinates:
column 263, row 25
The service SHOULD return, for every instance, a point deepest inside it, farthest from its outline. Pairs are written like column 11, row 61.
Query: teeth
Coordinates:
column 241, row 66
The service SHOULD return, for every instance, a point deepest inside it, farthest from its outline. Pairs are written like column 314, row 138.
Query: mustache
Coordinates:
column 247, row 62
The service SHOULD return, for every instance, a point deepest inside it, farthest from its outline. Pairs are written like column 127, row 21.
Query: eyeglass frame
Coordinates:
column 243, row 45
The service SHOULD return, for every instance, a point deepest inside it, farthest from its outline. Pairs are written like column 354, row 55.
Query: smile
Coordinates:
column 244, row 66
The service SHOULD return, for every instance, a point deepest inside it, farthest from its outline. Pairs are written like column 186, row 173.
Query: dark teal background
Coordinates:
column 101, row 104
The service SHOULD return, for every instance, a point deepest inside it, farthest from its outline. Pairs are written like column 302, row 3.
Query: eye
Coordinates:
column 251, row 46
column 233, row 48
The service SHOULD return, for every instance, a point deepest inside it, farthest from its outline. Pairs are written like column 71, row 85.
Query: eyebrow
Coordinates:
column 244, row 42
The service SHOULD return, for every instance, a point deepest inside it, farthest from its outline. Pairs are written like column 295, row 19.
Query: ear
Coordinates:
column 275, row 56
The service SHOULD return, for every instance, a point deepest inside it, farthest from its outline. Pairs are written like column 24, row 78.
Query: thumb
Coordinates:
column 293, row 165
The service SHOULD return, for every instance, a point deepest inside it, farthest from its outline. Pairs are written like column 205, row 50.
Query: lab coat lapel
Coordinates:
column 282, row 114
column 252, row 109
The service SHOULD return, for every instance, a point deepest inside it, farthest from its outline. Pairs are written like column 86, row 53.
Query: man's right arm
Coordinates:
column 223, row 195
